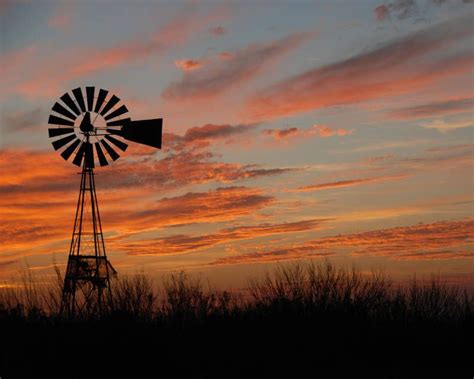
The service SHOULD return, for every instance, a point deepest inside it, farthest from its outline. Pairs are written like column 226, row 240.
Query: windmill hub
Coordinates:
column 86, row 124
column 90, row 127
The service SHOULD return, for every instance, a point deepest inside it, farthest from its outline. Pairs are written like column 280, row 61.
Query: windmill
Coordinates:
column 91, row 128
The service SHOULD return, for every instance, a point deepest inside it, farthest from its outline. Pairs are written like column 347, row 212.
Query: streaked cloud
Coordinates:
column 429, row 110
column 439, row 240
column 399, row 66
column 445, row 126
column 29, row 120
column 202, row 136
column 243, row 64
column 348, row 183
column 52, row 70
column 180, row 244
column 222, row 204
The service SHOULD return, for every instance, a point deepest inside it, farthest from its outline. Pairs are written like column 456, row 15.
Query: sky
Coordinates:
column 293, row 130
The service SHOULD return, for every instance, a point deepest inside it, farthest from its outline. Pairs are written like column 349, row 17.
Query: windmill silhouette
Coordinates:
column 91, row 128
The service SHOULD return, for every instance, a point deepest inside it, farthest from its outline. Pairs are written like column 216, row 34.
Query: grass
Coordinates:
column 299, row 320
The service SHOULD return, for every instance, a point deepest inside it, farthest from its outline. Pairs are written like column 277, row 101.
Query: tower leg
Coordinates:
column 88, row 271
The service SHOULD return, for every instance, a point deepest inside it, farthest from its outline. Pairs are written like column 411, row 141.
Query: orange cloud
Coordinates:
column 399, row 66
column 222, row 204
column 316, row 130
column 439, row 240
column 180, row 244
column 188, row 64
column 52, row 70
column 348, row 183
column 219, row 76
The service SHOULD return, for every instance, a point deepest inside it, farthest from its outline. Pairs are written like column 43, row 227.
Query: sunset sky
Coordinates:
column 292, row 129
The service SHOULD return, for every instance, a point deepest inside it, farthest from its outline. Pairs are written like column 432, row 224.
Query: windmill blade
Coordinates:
column 110, row 104
column 90, row 98
column 118, row 112
column 146, row 132
column 113, row 154
column 100, row 100
column 70, row 149
column 63, row 111
column 101, row 155
column 54, row 120
column 89, row 155
column 66, row 98
column 121, row 122
column 80, row 153
column 63, row 141
column 54, row 132
column 122, row 146
column 79, row 98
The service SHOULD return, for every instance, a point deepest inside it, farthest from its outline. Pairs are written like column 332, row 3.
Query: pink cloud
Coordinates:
column 439, row 240
column 219, row 76
column 54, row 69
column 381, row 13
column 398, row 67
column 63, row 15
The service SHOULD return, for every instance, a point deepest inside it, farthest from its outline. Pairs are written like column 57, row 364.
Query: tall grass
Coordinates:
column 296, row 321
column 299, row 290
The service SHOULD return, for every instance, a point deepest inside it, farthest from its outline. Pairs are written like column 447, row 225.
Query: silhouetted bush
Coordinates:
column 301, row 317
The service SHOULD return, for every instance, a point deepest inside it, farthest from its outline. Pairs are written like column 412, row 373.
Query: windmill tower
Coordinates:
column 90, row 128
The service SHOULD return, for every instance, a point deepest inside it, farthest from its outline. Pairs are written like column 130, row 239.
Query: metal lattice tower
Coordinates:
column 90, row 126
column 88, row 273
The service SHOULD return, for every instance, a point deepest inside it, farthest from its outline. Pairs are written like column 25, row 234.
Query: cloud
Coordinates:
column 188, row 64
column 127, row 191
column 407, row 9
column 446, row 126
column 38, row 217
column 399, row 9
column 222, row 204
column 430, row 110
column 63, row 15
column 218, row 31
column 54, row 68
column 219, row 76
column 439, row 240
column 30, row 173
column 314, row 131
column 397, row 67
column 180, row 244
column 348, row 183
column 381, row 13
column 202, row 136
column 30, row 120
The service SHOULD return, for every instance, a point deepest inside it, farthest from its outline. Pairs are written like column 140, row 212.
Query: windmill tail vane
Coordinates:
column 91, row 127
